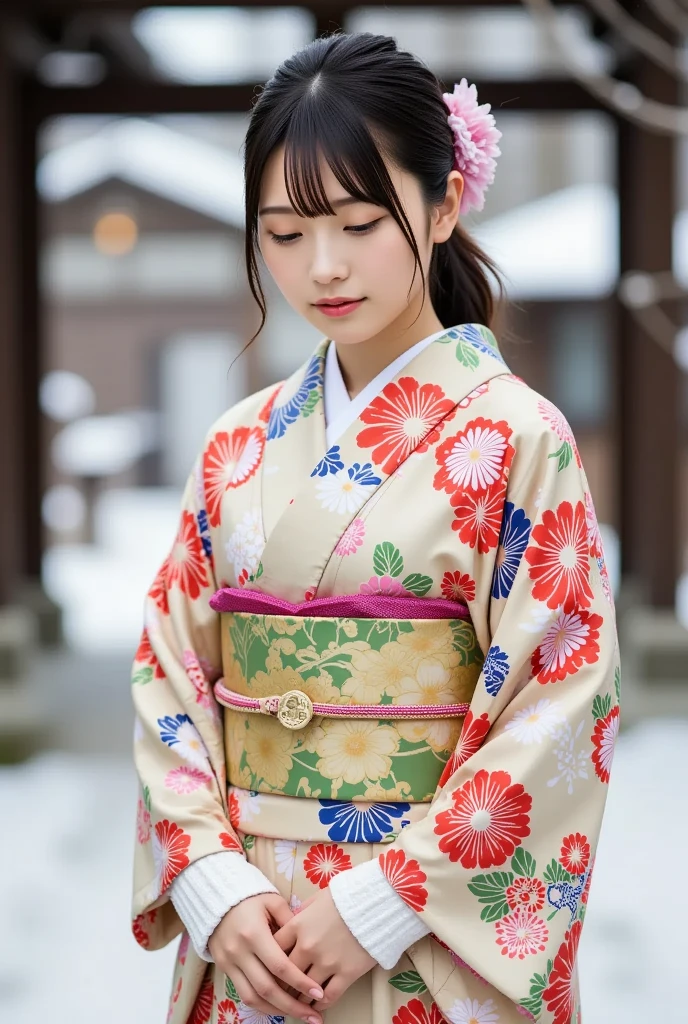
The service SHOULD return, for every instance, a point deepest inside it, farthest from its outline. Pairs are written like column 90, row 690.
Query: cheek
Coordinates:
column 283, row 265
column 390, row 258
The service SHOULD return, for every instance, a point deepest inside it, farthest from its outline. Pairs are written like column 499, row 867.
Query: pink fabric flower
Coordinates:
column 475, row 143
column 351, row 539
column 383, row 585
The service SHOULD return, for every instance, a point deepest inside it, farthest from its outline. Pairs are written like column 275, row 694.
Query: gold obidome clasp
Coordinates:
column 294, row 709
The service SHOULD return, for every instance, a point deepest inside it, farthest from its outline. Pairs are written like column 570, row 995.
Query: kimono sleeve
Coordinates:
column 178, row 740
column 500, row 869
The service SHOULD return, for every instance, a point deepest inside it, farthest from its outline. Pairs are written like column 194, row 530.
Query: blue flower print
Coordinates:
column 282, row 416
column 330, row 463
column 513, row 540
column 204, row 532
column 495, row 669
column 349, row 823
column 474, row 337
column 364, row 475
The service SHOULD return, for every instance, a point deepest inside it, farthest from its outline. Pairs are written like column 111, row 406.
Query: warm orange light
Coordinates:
column 115, row 234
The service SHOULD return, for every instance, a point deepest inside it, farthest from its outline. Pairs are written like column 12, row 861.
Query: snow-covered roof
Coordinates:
column 150, row 156
column 564, row 245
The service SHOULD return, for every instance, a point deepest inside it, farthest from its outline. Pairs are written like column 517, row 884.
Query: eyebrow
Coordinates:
column 347, row 201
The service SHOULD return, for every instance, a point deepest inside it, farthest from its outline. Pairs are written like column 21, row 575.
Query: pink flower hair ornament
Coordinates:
column 475, row 143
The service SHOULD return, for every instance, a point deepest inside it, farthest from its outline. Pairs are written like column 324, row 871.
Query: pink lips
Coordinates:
column 338, row 307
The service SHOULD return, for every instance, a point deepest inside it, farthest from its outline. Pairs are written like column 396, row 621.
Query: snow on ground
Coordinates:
column 67, row 956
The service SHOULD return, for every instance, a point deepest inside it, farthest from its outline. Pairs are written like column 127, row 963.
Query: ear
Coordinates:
column 446, row 214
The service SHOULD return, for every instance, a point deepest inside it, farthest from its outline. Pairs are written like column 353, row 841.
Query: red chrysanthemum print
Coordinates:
column 475, row 459
column 323, row 861
column 559, row 558
column 522, row 934
column 186, row 564
column 603, row 739
column 145, row 655
column 570, row 641
column 478, row 518
column 416, row 1012
column 264, row 414
column 471, row 739
column 228, row 1012
column 140, row 927
column 404, row 418
column 229, row 461
column 203, row 1007
column 575, row 853
column 526, row 892
column 234, row 810
column 405, row 877
column 457, row 586
column 489, row 819
column 230, row 842
column 170, row 846
column 559, row 992
column 158, row 591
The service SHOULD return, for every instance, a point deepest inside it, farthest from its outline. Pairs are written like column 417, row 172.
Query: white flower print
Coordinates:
column 285, row 858
column 191, row 748
column 572, row 764
column 471, row 1011
column 535, row 723
column 249, row 803
column 476, row 459
column 339, row 493
column 245, row 545
column 139, row 731
column 295, row 903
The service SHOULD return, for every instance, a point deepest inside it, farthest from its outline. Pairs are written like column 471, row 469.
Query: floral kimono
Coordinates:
column 455, row 487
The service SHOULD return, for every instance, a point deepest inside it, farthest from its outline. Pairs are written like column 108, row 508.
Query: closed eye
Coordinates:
column 355, row 229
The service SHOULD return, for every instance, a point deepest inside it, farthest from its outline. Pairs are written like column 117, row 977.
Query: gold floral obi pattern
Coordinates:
column 290, row 664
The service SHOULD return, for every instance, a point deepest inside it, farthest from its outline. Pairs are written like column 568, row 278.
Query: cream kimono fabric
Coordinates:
column 457, row 481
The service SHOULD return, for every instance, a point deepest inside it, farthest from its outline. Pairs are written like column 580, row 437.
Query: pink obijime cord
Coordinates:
column 294, row 709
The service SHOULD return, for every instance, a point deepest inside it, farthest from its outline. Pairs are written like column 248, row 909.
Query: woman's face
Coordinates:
column 360, row 253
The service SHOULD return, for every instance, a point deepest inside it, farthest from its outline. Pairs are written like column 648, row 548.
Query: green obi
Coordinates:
column 346, row 661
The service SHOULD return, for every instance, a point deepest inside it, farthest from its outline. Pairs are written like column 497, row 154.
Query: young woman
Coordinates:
column 377, row 691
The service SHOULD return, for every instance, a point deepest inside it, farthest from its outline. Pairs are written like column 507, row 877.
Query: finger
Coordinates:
column 285, row 937
column 279, row 910
column 248, row 994
column 333, row 990
column 319, row 975
column 284, row 969
column 267, row 989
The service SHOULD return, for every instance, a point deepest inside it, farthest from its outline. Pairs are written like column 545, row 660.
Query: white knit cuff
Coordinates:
column 205, row 891
column 376, row 915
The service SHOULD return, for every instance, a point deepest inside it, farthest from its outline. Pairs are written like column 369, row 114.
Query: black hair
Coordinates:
column 349, row 99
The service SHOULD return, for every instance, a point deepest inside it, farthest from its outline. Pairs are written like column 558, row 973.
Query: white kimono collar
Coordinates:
column 340, row 410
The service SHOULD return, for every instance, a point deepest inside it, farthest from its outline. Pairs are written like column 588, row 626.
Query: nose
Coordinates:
column 328, row 263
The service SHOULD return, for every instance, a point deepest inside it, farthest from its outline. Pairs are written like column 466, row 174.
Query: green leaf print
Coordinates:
column 143, row 676
column 538, row 984
column 387, row 560
column 601, row 706
column 617, row 684
column 467, row 355
column 554, row 872
column 146, row 798
column 310, row 403
column 259, row 570
column 248, row 842
column 491, row 890
column 489, row 338
column 564, row 454
column 523, row 863
column 230, row 991
column 408, row 981
column 417, row 584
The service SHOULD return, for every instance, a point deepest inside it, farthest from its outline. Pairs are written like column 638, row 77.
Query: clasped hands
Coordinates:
column 285, row 963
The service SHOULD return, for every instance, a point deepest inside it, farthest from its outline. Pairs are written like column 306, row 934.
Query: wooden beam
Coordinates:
column 123, row 97
column 319, row 7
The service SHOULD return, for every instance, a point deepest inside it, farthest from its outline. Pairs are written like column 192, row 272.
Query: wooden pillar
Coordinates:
column 648, row 378
column 10, row 388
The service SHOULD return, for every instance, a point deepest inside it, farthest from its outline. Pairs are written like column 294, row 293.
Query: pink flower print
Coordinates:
column 383, row 585
column 143, row 823
column 351, row 539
